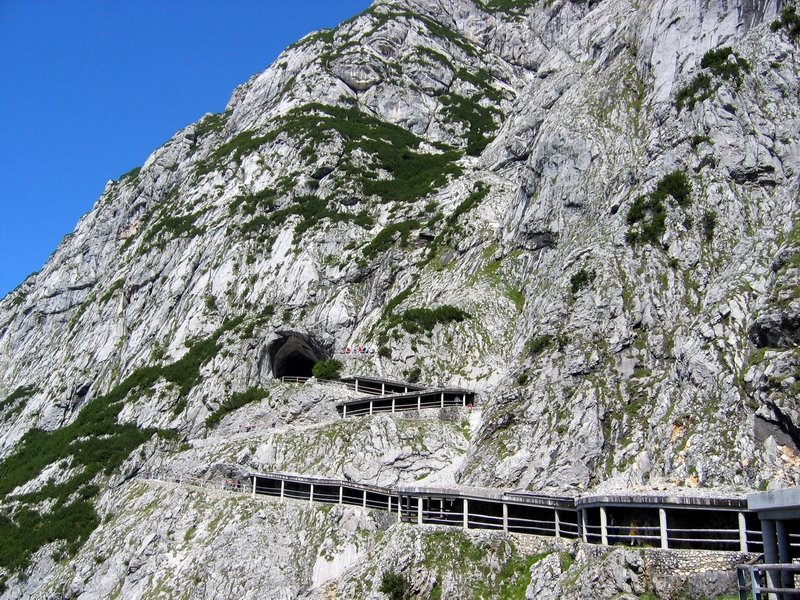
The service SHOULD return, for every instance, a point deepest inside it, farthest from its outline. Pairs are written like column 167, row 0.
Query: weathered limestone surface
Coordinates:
column 600, row 364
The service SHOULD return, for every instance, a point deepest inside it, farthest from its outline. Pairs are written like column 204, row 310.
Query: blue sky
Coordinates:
column 91, row 88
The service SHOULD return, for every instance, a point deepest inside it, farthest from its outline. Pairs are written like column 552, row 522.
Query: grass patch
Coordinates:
column 254, row 394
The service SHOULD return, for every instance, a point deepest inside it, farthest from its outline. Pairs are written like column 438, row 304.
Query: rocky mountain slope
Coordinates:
column 585, row 210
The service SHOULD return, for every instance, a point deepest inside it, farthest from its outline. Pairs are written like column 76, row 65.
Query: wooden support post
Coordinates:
column 464, row 401
column 442, row 399
column 399, row 509
column 254, row 486
column 370, row 407
column 393, row 404
column 341, row 494
column 419, row 402
column 356, row 385
column 383, row 389
column 389, row 505
column 311, row 494
column 419, row 510
column 505, row 517
column 603, row 526
column 742, row 532
column 557, row 523
column 466, row 514
column 364, row 501
column 283, row 485
column 662, row 525
column 344, row 411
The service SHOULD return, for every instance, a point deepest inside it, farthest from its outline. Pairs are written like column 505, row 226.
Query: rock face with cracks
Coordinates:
column 585, row 211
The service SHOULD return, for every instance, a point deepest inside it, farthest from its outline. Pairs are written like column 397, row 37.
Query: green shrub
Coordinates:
column 328, row 369
column 238, row 400
column 395, row 586
column 580, row 280
column 537, row 345
column 647, row 215
column 722, row 63
column 384, row 352
column 675, row 184
column 415, row 320
column 414, row 374
column 789, row 21
column 709, row 223
column 386, row 237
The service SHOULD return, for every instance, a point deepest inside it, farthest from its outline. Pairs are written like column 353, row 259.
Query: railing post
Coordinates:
column 505, row 517
column 283, row 486
column 419, row 403
column 344, row 411
column 662, row 527
column 582, row 525
column 742, row 532
column 557, row 523
column 399, row 509
column 383, row 389
column 356, row 385
column 389, row 505
column 341, row 494
column 442, row 399
column 466, row 514
column 311, row 494
column 364, row 500
column 784, row 554
column 603, row 526
column 419, row 510
column 254, row 486
column 392, row 404
column 370, row 407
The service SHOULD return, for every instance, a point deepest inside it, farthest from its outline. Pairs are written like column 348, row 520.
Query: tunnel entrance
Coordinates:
column 293, row 354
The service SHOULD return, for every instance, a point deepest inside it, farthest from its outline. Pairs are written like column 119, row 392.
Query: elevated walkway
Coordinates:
column 668, row 522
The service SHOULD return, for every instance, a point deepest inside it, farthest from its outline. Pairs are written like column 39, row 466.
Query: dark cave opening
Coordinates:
column 294, row 354
column 296, row 365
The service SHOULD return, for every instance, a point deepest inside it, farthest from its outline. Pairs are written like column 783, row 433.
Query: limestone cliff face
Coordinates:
column 607, row 189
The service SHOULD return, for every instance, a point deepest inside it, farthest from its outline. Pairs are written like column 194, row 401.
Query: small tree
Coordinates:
column 327, row 369
column 396, row 586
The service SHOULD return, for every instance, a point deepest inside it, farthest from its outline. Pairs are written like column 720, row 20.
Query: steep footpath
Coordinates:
column 586, row 211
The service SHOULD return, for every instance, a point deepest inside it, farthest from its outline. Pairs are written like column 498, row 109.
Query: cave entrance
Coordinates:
column 294, row 354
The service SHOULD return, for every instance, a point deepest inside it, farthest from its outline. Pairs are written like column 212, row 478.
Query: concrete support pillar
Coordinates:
column 254, row 486
column 466, row 514
column 663, row 528
column 742, row 533
column 283, row 488
column 311, row 494
column 603, row 526
column 341, row 494
column 419, row 510
column 784, row 552
column 582, row 524
column 505, row 517
column 364, row 500
column 557, row 523
column 770, row 550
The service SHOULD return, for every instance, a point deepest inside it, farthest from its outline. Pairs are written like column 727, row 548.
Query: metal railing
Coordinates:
column 767, row 581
